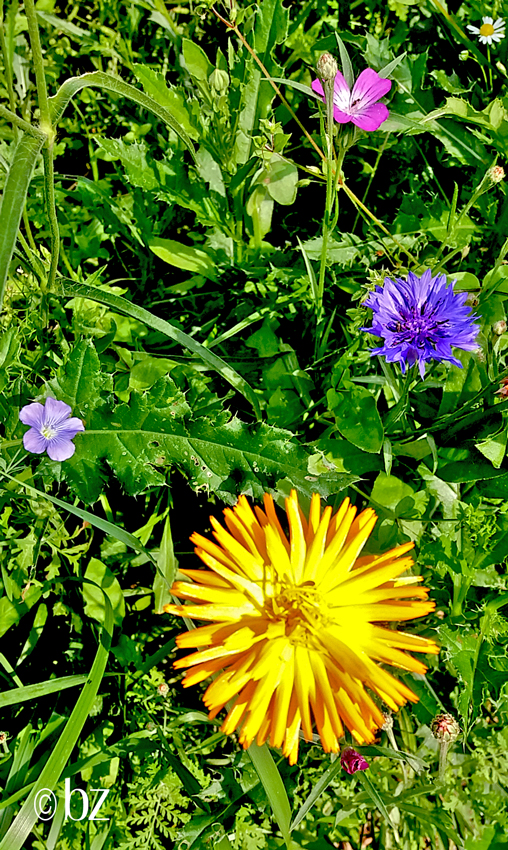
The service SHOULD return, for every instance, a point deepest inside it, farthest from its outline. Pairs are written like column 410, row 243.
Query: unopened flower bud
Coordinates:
column 445, row 728
column 463, row 55
column 496, row 173
column 351, row 761
column 3, row 742
column 219, row 81
column 327, row 67
column 163, row 689
column 499, row 327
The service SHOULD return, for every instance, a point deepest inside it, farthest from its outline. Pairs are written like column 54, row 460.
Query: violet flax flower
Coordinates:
column 420, row 319
column 359, row 105
column 351, row 761
column 51, row 430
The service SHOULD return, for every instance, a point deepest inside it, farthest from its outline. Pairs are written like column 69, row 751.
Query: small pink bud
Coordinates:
column 352, row 761
column 499, row 327
column 163, row 690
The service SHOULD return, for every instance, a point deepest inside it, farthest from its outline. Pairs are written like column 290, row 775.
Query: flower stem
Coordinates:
column 443, row 752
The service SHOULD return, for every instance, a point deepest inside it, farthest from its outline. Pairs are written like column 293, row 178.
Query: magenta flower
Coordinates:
column 351, row 761
column 359, row 105
column 51, row 430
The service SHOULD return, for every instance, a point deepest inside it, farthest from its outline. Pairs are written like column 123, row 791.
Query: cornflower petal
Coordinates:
column 421, row 319
column 293, row 632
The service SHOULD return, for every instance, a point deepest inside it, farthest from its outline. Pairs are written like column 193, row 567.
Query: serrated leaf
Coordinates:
column 140, row 439
column 133, row 158
column 171, row 99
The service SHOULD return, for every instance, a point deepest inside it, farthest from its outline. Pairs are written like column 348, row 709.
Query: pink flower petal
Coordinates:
column 369, row 87
column 34, row 442
column 341, row 117
column 32, row 414
column 372, row 117
column 317, row 86
column 341, row 90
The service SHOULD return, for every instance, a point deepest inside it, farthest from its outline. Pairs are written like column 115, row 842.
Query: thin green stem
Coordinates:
column 443, row 752
column 351, row 195
column 26, row 222
column 371, row 178
column 38, row 61
column 6, row 61
column 21, row 123
column 49, row 185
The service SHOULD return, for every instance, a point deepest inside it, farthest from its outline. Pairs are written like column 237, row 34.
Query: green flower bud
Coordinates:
column 327, row 67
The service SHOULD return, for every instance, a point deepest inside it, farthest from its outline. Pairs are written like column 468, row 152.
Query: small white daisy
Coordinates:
column 489, row 31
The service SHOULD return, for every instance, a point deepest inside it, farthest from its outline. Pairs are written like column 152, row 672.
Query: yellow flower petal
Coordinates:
column 294, row 635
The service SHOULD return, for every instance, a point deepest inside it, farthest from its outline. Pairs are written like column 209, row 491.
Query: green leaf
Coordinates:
column 79, row 380
column 60, row 101
column 141, row 439
column 274, row 788
column 183, row 257
column 29, row 692
column 94, row 597
column 282, row 179
column 345, row 61
column 174, row 101
column 270, row 29
column 320, row 786
column 357, row 418
column 13, row 199
column 196, row 61
column 460, row 471
column 124, row 307
column 209, row 171
column 167, row 566
column 133, row 158
column 26, row 819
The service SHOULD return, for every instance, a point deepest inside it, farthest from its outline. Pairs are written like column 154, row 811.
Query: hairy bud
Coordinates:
column 445, row 728
column 327, row 67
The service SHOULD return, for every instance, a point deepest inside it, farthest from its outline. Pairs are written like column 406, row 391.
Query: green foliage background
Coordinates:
column 162, row 256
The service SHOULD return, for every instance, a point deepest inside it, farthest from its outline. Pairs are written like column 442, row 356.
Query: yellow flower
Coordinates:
column 295, row 625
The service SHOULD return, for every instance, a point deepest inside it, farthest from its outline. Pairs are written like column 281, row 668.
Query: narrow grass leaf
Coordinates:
column 274, row 788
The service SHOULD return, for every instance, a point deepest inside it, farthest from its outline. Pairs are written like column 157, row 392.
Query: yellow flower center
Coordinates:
column 301, row 608
column 486, row 29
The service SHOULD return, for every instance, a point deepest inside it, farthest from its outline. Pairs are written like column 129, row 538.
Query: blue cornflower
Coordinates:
column 420, row 319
